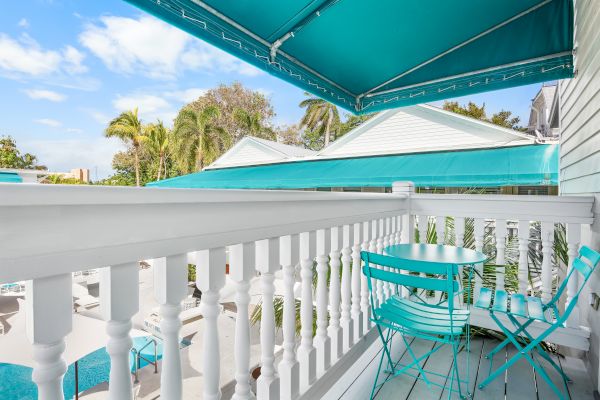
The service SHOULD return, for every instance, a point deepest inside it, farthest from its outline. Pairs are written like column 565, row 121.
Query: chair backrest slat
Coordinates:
column 409, row 265
column 582, row 267
column 591, row 255
column 410, row 280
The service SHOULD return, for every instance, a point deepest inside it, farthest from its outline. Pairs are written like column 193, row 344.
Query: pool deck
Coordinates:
column 520, row 383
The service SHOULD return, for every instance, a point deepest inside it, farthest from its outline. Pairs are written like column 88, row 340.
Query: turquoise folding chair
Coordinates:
column 444, row 325
column 530, row 309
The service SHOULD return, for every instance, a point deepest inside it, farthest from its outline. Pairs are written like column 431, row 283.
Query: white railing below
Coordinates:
column 49, row 232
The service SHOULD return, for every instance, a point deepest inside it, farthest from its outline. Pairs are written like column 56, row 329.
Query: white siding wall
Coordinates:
column 580, row 144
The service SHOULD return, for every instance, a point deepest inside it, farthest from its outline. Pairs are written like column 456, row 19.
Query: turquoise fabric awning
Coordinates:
column 10, row 177
column 367, row 56
column 508, row 166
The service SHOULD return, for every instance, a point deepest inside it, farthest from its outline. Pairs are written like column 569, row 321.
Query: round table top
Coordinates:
column 436, row 253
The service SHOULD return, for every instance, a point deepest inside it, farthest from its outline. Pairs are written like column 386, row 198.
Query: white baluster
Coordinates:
column 364, row 288
column 440, row 228
column 573, row 239
column 289, row 368
column 357, row 315
column 322, row 341
column 523, row 274
column 119, row 302
column 422, row 222
column 170, row 288
column 241, row 271
column 267, row 263
column 335, row 330
column 49, row 318
column 387, row 286
column 547, row 247
column 401, row 235
column 378, row 284
column 393, row 231
column 459, row 230
column 210, row 278
column 307, row 355
column 500, row 253
column 347, row 325
column 478, row 233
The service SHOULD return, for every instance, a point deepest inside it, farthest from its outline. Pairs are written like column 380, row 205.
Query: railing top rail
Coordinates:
column 23, row 194
column 48, row 230
column 563, row 209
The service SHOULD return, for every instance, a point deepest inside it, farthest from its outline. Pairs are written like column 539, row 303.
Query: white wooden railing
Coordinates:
column 49, row 232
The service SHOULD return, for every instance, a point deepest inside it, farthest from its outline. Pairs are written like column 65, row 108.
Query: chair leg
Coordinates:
column 455, row 357
column 385, row 342
column 506, row 341
column 416, row 362
column 377, row 375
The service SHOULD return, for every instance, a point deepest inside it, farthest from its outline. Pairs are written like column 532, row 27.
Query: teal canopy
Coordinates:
column 367, row 56
column 508, row 166
column 11, row 177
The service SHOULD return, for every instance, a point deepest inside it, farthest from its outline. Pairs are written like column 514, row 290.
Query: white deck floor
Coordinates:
column 520, row 383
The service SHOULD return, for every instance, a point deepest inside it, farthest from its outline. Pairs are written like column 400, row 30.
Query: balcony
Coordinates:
column 270, row 240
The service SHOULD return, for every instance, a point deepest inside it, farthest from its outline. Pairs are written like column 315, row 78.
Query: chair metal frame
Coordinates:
column 432, row 322
column 525, row 351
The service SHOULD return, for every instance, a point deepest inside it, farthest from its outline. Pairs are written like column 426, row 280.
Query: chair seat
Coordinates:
column 518, row 305
column 403, row 314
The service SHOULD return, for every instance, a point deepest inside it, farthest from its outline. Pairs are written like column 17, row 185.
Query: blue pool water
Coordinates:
column 16, row 384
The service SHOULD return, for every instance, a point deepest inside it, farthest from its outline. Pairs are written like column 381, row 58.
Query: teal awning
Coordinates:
column 522, row 165
column 367, row 56
column 11, row 177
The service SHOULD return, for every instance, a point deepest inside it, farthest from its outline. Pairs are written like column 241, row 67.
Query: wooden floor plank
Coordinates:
column 581, row 387
column 544, row 390
column 400, row 387
column 495, row 389
column 474, row 360
column 440, row 363
column 519, row 378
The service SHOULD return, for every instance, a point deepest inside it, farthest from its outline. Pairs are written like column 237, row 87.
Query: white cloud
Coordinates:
column 98, row 116
column 155, row 49
column 151, row 107
column 25, row 57
column 23, row 23
column 49, row 122
column 74, row 130
column 40, row 94
column 63, row 155
column 187, row 95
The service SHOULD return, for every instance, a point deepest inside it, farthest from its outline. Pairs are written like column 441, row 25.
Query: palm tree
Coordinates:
column 199, row 141
column 158, row 139
column 320, row 116
column 128, row 127
column 252, row 124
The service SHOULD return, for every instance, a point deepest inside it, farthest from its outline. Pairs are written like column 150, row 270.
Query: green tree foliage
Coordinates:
column 503, row 118
column 321, row 120
column 11, row 157
column 198, row 140
column 128, row 127
column 353, row 121
column 157, row 140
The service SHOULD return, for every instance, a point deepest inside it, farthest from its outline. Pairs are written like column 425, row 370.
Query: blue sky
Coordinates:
column 68, row 66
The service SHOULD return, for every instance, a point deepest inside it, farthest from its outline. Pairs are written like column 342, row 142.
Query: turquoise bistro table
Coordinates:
column 437, row 253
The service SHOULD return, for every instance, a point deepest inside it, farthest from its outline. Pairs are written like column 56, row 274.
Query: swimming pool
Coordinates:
column 16, row 384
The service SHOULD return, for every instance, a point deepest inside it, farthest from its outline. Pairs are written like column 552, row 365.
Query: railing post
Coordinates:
column 241, row 271
column 440, row 228
column 422, row 222
column 357, row 315
column 573, row 240
column 307, row 356
column 322, row 341
column 387, row 286
column 210, row 278
column 347, row 326
column 500, row 253
column 267, row 263
column 406, row 221
column 373, row 248
column 170, row 288
column 49, row 317
column 547, row 248
column 478, row 232
column 364, row 288
column 335, row 330
column 289, row 369
column 523, row 274
column 459, row 230
column 119, row 301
